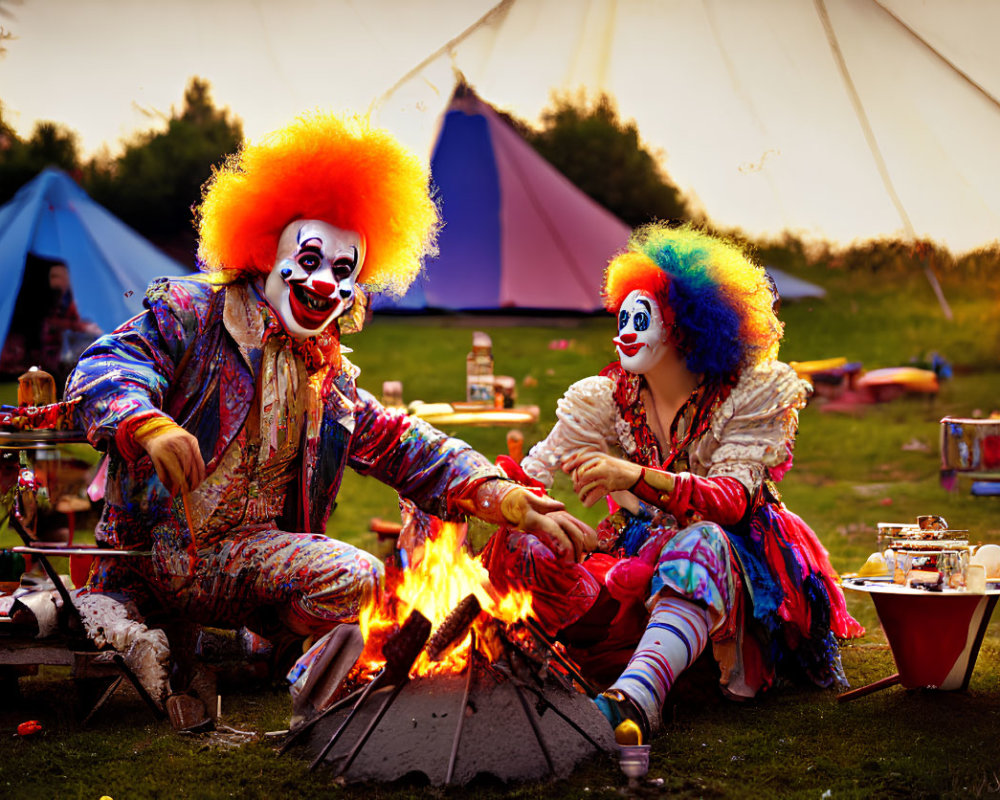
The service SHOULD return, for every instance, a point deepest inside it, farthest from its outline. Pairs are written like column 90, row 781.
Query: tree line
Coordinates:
column 157, row 179
column 154, row 184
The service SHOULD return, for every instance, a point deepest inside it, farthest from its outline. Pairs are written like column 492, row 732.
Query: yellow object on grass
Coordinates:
column 806, row 369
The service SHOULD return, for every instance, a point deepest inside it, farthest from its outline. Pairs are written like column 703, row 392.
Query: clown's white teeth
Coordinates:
column 311, row 300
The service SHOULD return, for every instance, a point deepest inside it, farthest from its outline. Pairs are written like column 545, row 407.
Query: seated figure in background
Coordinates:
column 686, row 435
column 65, row 334
column 230, row 413
column 46, row 329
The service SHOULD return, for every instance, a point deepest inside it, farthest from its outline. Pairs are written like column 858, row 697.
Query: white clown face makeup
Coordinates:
column 642, row 337
column 312, row 281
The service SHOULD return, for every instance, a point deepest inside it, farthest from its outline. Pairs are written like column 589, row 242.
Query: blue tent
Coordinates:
column 791, row 288
column 109, row 264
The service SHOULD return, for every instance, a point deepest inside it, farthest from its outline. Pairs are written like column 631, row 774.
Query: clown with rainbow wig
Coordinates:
column 229, row 411
column 686, row 435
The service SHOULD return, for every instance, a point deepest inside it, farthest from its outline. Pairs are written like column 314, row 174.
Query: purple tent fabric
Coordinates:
column 517, row 234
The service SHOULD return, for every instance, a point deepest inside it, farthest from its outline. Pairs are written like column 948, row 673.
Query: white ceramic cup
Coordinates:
column 975, row 578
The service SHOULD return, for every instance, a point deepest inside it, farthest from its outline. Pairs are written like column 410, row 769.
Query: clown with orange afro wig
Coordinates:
column 685, row 435
column 230, row 417
column 323, row 166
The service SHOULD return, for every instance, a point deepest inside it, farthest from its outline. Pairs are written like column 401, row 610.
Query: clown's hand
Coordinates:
column 595, row 475
column 565, row 535
column 175, row 453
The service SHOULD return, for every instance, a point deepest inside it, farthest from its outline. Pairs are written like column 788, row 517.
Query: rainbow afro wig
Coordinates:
column 718, row 303
column 328, row 167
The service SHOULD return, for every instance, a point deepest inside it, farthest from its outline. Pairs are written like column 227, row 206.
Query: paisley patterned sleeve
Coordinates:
column 754, row 429
column 125, row 374
column 414, row 458
column 585, row 421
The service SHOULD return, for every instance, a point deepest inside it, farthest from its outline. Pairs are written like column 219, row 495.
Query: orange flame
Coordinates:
column 445, row 575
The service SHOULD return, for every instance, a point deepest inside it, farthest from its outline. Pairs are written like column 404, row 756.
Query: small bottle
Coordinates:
column 36, row 388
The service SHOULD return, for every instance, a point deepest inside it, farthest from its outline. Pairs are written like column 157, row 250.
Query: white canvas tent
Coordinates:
column 831, row 119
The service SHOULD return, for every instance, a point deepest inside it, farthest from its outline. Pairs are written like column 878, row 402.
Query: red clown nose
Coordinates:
column 322, row 287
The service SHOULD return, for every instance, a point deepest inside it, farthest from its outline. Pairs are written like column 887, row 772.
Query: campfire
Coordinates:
column 455, row 681
column 446, row 586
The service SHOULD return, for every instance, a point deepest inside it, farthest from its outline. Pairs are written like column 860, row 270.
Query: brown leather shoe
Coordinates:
column 187, row 714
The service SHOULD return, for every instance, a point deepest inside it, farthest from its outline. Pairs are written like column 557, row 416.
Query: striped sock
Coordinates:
column 675, row 635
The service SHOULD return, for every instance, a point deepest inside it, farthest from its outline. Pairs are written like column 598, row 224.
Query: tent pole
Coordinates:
column 869, row 134
column 500, row 8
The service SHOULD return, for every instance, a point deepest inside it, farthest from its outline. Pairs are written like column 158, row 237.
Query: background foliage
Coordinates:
column 603, row 155
column 156, row 180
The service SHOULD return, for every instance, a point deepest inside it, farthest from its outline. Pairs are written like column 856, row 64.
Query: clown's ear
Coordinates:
column 354, row 320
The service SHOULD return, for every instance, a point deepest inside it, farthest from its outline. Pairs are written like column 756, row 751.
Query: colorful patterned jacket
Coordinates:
column 190, row 356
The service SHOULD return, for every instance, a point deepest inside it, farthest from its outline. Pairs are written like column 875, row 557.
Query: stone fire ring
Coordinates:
column 417, row 733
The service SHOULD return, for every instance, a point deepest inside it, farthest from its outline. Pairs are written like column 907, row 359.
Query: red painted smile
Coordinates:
column 310, row 309
column 629, row 349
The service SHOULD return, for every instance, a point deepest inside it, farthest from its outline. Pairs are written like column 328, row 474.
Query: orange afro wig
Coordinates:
column 328, row 167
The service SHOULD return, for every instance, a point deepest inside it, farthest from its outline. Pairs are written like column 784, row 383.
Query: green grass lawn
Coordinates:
column 852, row 471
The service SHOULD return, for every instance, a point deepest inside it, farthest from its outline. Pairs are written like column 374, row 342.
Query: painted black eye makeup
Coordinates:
column 622, row 319
column 344, row 266
column 309, row 258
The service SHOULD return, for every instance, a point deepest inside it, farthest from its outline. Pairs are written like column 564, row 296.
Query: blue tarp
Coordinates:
column 109, row 264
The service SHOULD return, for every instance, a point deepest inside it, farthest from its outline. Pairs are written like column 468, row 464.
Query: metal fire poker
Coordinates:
column 513, row 650
column 511, row 655
column 294, row 735
column 471, row 667
column 564, row 662
column 533, row 625
column 400, row 652
column 450, row 631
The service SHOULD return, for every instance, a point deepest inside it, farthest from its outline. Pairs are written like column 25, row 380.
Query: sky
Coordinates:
column 836, row 120
column 108, row 68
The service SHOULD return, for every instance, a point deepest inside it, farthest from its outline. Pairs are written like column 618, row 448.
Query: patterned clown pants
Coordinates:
column 307, row 583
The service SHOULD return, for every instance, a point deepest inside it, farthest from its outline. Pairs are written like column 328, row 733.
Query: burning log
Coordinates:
column 455, row 626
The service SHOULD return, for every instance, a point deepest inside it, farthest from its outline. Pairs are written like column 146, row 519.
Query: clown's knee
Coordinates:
column 339, row 595
column 369, row 579
column 700, row 537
